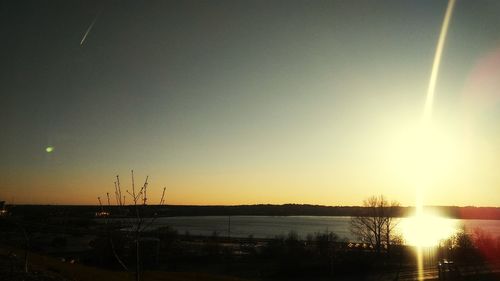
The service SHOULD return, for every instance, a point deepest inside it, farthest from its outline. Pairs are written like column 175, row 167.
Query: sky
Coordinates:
column 244, row 102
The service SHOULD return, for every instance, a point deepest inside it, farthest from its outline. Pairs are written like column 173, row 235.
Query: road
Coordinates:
column 462, row 272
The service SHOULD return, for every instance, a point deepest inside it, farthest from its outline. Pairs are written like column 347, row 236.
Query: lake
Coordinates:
column 271, row 226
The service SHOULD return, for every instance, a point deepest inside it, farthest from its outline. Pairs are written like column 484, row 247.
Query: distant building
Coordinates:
column 102, row 214
column 3, row 210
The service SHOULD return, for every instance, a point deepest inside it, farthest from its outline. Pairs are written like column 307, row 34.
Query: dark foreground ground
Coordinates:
column 45, row 268
column 61, row 246
column 51, row 267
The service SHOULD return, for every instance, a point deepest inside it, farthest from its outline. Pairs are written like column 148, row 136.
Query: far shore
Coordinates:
column 485, row 213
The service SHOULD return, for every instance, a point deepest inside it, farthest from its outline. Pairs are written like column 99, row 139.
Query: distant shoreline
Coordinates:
column 487, row 213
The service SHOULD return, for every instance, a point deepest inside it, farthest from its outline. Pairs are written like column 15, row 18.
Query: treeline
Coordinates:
column 492, row 213
column 262, row 210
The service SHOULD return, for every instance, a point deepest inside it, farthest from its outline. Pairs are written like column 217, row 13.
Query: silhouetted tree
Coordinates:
column 326, row 246
column 141, row 224
column 390, row 224
column 375, row 224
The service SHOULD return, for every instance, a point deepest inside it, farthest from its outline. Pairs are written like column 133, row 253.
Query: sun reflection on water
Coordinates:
column 427, row 229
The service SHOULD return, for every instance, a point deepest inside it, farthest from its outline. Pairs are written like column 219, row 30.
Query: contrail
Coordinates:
column 437, row 61
column 89, row 29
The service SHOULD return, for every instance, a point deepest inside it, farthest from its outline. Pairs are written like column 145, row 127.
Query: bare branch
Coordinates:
column 375, row 224
column 144, row 197
column 117, row 196
column 100, row 203
column 132, row 195
column 133, row 184
column 107, row 195
column 119, row 190
column 162, row 200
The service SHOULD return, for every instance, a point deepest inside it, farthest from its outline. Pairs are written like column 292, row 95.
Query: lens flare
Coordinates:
column 429, row 101
column 427, row 229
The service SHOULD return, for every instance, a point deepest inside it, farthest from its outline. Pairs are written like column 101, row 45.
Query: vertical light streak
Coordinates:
column 426, row 118
column 419, row 214
column 420, row 263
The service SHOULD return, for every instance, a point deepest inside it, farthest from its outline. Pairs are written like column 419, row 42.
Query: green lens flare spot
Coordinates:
column 49, row 149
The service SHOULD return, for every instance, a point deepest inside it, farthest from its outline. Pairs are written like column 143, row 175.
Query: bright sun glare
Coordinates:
column 427, row 229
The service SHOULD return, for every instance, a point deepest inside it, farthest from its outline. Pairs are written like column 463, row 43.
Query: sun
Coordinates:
column 427, row 229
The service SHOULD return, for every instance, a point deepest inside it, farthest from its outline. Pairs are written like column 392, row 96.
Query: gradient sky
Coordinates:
column 242, row 102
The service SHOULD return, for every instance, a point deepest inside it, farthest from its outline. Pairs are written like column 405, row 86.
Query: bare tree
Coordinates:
column 390, row 223
column 375, row 223
column 105, row 215
column 141, row 224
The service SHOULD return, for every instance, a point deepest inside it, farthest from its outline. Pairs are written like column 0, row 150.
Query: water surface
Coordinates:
column 272, row 226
